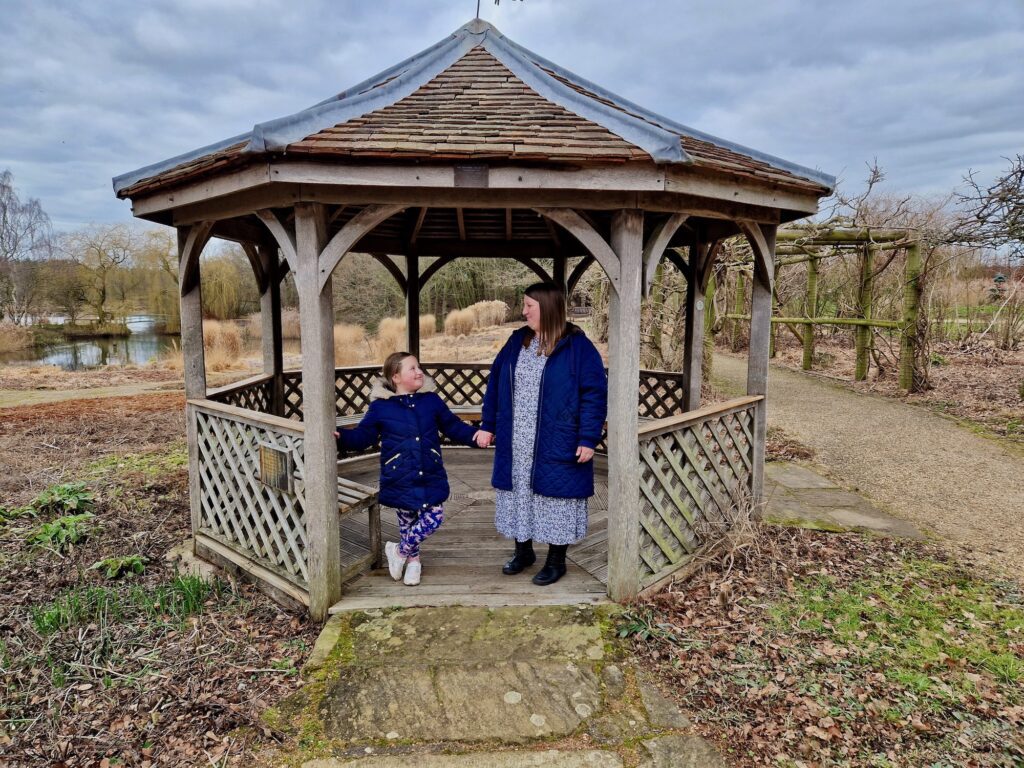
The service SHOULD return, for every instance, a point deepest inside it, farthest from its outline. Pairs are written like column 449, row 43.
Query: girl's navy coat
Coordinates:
column 572, row 410
column 412, row 475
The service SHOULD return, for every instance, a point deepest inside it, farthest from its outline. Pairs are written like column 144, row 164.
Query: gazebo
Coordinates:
column 473, row 147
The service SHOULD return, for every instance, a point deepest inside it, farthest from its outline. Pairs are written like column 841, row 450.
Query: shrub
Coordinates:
column 222, row 343
column 63, row 533
column 349, row 344
column 489, row 313
column 459, row 322
column 116, row 567
column 428, row 326
column 14, row 337
column 61, row 499
column 391, row 337
column 252, row 326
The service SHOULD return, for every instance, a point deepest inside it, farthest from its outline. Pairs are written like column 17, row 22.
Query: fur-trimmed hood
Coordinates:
column 381, row 391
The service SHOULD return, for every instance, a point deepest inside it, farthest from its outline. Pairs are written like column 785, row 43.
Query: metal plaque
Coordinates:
column 472, row 176
column 276, row 467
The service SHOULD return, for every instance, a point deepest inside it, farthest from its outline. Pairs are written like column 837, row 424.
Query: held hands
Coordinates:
column 584, row 454
column 482, row 438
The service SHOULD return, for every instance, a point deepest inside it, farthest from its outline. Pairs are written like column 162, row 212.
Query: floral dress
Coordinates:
column 520, row 513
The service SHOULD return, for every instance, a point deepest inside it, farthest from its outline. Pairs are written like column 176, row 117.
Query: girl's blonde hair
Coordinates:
column 393, row 366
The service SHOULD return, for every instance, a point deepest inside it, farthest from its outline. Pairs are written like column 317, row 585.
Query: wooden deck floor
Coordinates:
column 462, row 561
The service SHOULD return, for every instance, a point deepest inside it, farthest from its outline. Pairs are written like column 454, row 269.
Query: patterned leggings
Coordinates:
column 415, row 526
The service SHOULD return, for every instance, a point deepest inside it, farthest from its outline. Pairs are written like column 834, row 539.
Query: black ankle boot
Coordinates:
column 523, row 558
column 554, row 566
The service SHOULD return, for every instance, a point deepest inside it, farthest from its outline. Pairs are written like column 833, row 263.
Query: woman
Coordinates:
column 546, row 401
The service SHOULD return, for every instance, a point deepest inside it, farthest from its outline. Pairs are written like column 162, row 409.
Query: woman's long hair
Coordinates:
column 552, row 315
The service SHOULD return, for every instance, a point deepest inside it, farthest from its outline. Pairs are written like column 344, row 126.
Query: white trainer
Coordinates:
column 395, row 561
column 412, row 573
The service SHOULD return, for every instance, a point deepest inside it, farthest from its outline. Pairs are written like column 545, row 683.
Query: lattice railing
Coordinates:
column 262, row 524
column 660, row 393
column 695, row 474
column 252, row 394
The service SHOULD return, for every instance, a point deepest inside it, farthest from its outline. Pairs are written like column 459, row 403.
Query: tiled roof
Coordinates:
column 478, row 95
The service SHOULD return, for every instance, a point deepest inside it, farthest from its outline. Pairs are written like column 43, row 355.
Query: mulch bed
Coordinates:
column 763, row 653
column 132, row 675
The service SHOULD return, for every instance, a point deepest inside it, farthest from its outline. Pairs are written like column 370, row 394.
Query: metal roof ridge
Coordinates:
column 669, row 124
column 130, row 178
column 662, row 145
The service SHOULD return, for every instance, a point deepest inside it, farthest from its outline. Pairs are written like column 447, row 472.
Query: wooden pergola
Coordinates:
column 474, row 147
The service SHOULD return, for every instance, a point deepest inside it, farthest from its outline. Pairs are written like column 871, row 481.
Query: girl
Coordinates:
column 412, row 478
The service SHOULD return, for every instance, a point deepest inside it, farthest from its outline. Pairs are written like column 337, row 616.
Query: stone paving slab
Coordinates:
column 428, row 687
column 547, row 759
column 797, row 495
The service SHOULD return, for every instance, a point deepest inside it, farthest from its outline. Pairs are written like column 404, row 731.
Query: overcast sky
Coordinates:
column 930, row 88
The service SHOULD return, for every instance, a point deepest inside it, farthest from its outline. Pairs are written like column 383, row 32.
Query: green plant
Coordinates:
column 12, row 513
column 116, row 567
column 937, row 360
column 63, row 533
column 60, row 499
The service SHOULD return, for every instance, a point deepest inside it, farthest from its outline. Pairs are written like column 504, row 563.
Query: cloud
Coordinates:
column 931, row 89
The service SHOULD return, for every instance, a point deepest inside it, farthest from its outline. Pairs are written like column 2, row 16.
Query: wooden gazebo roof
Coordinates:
column 478, row 96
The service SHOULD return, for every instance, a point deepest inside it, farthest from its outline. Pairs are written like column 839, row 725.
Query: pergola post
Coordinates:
column 270, row 320
column 762, row 242
column 623, row 449
column 412, row 304
column 316, row 317
column 191, row 241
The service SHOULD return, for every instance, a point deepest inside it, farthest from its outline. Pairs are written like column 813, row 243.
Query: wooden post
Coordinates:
column 911, row 305
column 693, row 349
column 623, row 369
column 737, row 308
column 412, row 303
column 810, row 310
column 558, row 271
column 270, row 320
column 190, row 291
column 862, row 340
column 773, row 336
column 316, row 317
column 757, row 356
column 709, row 322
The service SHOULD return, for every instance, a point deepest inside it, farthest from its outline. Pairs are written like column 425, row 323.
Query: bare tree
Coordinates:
column 25, row 237
column 100, row 251
column 994, row 214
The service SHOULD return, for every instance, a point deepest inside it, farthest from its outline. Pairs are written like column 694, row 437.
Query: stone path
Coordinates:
column 458, row 687
column 916, row 465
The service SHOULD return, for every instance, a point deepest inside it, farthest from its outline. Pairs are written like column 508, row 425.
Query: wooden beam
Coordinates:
column 573, row 222
column 508, row 223
column 393, row 269
column 353, row 231
column 461, row 221
column 577, row 273
column 316, row 316
column 477, row 249
column 420, row 217
column 283, row 236
column 762, row 241
column 338, row 211
column 656, row 244
column 552, row 231
column 693, row 339
column 257, row 267
column 272, row 340
column 436, row 265
column 623, row 364
column 536, row 268
column 195, row 239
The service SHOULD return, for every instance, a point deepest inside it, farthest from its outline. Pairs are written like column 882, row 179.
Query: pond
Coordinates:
column 143, row 346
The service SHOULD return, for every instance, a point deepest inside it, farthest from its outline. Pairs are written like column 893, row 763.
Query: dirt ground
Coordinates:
column 99, row 671
column 979, row 383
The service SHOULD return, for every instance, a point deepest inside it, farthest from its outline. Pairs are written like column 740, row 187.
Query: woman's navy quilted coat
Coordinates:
column 572, row 411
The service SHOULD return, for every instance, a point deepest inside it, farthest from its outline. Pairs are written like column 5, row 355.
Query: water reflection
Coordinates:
column 142, row 347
